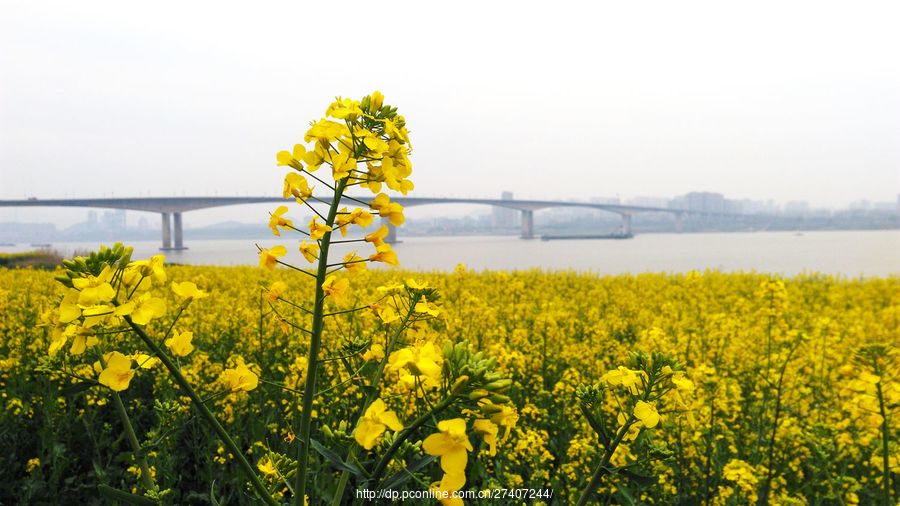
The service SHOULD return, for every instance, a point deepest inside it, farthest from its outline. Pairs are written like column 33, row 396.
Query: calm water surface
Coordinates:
column 849, row 253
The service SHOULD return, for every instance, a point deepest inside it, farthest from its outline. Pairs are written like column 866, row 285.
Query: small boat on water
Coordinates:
column 589, row 236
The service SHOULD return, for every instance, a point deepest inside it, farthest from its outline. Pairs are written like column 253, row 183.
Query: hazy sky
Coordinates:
column 781, row 100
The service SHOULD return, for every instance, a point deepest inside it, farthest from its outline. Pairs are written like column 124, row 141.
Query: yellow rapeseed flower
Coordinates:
column 275, row 290
column 385, row 253
column 240, row 377
column 188, row 290
column 118, row 373
column 451, row 444
column 268, row 258
column 180, row 343
column 316, row 230
column 646, row 413
column 296, row 185
column 337, row 289
column 278, row 220
column 374, row 422
column 309, row 250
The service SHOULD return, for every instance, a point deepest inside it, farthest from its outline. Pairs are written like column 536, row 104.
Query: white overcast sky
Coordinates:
column 766, row 100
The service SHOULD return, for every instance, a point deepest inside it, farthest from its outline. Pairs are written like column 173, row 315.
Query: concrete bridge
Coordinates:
column 171, row 209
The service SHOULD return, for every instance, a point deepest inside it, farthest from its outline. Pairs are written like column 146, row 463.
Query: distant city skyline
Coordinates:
column 696, row 200
column 579, row 99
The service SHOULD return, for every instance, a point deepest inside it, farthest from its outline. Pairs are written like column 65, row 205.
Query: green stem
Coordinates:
column 885, row 442
column 404, row 435
column 376, row 379
column 315, row 343
column 198, row 403
column 602, row 468
column 146, row 478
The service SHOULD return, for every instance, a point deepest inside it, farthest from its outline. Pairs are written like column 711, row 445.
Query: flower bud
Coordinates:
column 490, row 409
column 499, row 399
column 459, row 384
column 377, row 101
column 327, row 431
column 478, row 394
column 499, row 385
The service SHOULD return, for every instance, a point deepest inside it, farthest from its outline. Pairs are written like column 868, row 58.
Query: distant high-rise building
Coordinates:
column 648, row 202
column 504, row 217
column 705, row 202
column 114, row 220
column 796, row 208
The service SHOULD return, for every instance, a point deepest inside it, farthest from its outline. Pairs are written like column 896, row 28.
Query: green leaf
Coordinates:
column 212, row 494
column 597, row 426
column 401, row 477
column 335, row 460
column 126, row 497
column 77, row 388
column 641, row 479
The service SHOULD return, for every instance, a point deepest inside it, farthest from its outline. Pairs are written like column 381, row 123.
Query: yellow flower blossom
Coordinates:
column 32, row 464
column 489, row 431
column 386, row 313
column 451, row 444
column 374, row 422
column 268, row 258
column 337, row 289
column 95, row 289
column 267, row 467
column 375, row 352
column 292, row 159
column 240, row 377
column 625, row 377
column 387, row 209
column 144, row 361
column 297, row 186
column 316, row 230
column 275, row 291
column 180, row 344
column 147, row 308
column 309, row 250
column 426, row 307
column 278, row 220
column 188, row 290
column 355, row 217
column 354, row 263
column 385, row 253
column 646, row 413
column 325, row 131
column 422, row 361
column 377, row 237
column 118, row 373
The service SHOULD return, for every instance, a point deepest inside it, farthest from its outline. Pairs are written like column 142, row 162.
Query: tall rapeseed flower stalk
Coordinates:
column 363, row 143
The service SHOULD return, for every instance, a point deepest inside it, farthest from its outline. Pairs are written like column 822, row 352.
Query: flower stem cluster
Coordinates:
column 624, row 405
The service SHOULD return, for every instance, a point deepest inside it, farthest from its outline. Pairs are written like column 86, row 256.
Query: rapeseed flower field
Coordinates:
column 781, row 395
column 315, row 380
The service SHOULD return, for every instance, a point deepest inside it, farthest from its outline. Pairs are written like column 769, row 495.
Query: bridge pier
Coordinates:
column 391, row 237
column 626, row 224
column 679, row 222
column 179, row 233
column 166, row 232
column 527, row 224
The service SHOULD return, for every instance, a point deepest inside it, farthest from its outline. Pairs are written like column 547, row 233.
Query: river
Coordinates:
column 847, row 253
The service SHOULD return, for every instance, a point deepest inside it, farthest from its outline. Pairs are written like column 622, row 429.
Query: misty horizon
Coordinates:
column 547, row 101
